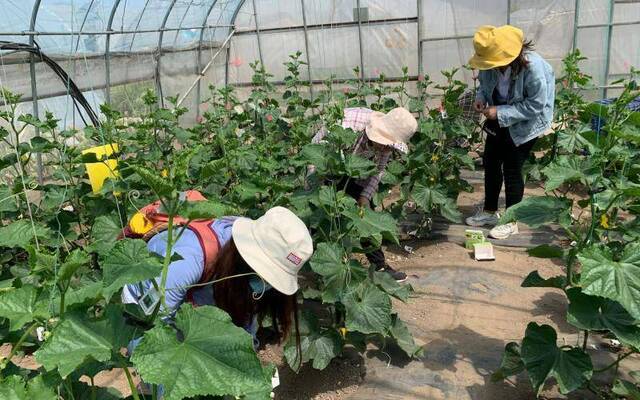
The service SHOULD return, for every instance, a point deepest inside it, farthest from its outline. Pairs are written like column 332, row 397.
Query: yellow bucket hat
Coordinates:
column 496, row 46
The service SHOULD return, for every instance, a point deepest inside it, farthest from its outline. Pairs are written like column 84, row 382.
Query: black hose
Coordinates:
column 74, row 91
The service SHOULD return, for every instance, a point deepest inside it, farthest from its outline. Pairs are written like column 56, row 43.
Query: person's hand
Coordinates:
column 491, row 112
column 479, row 105
column 363, row 201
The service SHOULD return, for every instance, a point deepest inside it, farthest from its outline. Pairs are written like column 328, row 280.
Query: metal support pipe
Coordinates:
column 233, row 22
column 255, row 18
column 199, row 56
column 360, row 41
column 107, row 32
column 34, row 88
column 508, row 12
column 159, row 52
column 306, row 46
column 146, row 4
column 107, row 61
column 454, row 37
column 607, row 59
column 419, row 14
column 84, row 21
column 204, row 70
column 607, row 24
column 184, row 16
column 576, row 22
column 336, row 25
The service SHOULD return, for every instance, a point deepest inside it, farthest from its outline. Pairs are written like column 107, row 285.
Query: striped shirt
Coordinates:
column 358, row 119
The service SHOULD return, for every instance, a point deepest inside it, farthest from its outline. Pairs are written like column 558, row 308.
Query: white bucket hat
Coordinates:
column 275, row 245
column 392, row 129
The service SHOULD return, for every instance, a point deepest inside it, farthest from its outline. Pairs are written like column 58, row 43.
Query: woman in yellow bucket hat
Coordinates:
column 516, row 95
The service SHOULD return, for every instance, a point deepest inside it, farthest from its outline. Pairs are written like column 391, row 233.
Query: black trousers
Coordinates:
column 375, row 257
column 503, row 162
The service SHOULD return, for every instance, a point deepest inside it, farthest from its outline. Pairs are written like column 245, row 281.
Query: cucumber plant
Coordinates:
column 592, row 182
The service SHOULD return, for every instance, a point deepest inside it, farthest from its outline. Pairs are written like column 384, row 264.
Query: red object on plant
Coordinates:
column 376, row 71
column 236, row 62
column 420, row 78
column 345, row 90
column 269, row 117
column 199, row 119
column 228, row 106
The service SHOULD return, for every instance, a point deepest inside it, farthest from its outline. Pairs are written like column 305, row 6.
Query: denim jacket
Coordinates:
column 529, row 109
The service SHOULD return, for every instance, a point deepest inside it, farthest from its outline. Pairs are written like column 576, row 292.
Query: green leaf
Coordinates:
column 76, row 259
column 618, row 280
column 535, row 280
column 78, row 338
column 23, row 305
column 564, row 169
column 373, row 225
column 404, row 338
column 162, row 187
column 626, row 389
column 105, row 233
column 315, row 154
column 359, row 167
column 389, row 285
column 21, row 233
column 450, row 211
column 427, row 197
column 597, row 314
column 543, row 359
column 329, row 261
column 128, row 262
column 317, row 344
column 546, row 251
column 536, row 211
column 368, row 309
column 7, row 200
column 213, row 357
column 15, row 388
column 511, row 363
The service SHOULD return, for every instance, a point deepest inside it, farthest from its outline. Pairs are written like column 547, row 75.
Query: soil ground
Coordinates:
column 463, row 312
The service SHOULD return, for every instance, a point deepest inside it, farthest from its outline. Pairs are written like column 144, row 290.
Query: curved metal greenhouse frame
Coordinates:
column 179, row 16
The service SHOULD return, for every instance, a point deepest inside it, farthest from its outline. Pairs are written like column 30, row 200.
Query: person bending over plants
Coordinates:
column 380, row 135
column 516, row 95
column 248, row 268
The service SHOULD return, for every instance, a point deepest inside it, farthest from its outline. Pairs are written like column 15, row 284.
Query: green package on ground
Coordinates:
column 473, row 236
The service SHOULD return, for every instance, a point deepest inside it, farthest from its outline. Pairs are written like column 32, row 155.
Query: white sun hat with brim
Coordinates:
column 394, row 128
column 275, row 246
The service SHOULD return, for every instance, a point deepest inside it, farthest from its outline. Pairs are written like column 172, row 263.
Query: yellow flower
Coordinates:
column 164, row 173
column 343, row 332
column 604, row 221
column 435, row 157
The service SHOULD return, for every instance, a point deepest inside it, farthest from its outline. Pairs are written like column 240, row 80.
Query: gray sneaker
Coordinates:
column 482, row 218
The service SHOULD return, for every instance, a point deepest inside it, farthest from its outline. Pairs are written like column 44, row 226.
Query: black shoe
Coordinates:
column 397, row 275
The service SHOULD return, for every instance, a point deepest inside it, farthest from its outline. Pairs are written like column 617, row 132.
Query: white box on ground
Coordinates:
column 483, row 251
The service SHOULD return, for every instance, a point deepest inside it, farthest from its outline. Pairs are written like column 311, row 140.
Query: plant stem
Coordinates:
column 14, row 349
column 615, row 363
column 586, row 339
column 167, row 260
column 132, row 386
column 93, row 389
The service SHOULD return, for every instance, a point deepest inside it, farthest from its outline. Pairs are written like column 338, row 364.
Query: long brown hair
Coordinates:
column 521, row 63
column 236, row 297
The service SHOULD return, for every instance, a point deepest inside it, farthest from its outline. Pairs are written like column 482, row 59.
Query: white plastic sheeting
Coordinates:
column 105, row 44
column 390, row 34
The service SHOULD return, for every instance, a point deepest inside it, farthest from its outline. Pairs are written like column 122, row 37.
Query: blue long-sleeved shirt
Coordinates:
column 187, row 271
